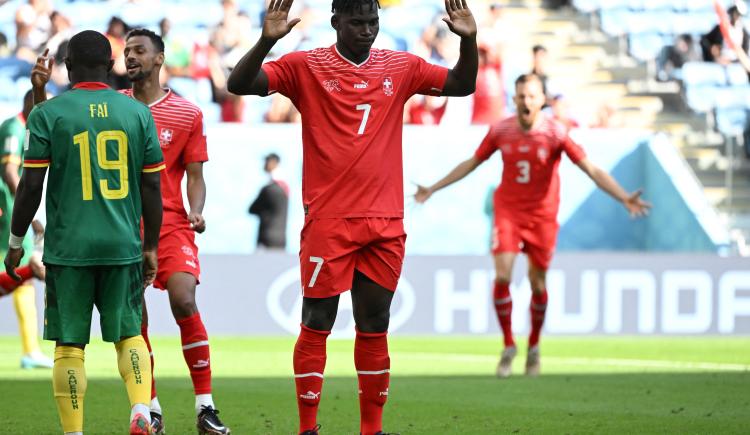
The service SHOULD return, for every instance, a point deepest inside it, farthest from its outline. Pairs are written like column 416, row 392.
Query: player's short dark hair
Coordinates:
column 349, row 6
column 155, row 39
column 537, row 48
column 273, row 156
column 527, row 78
column 90, row 49
column 3, row 39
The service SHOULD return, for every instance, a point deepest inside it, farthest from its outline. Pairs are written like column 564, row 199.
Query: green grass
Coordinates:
column 439, row 386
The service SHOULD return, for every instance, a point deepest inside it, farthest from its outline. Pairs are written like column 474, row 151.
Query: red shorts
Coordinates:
column 536, row 237
column 331, row 249
column 177, row 253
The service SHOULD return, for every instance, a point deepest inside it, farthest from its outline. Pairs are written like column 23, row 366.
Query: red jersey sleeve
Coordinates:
column 196, row 149
column 426, row 78
column 281, row 74
column 487, row 147
column 574, row 151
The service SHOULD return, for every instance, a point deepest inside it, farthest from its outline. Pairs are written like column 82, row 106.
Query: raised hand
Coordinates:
column 460, row 19
column 42, row 70
column 276, row 24
column 636, row 206
column 422, row 195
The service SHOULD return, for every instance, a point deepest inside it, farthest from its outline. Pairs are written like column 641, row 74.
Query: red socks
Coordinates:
column 373, row 371
column 538, row 309
column 144, row 333
column 504, row 309
column 309, row 365
column 8, row 284
column 196, row 352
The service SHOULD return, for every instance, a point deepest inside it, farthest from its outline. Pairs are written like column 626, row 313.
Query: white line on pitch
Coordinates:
column 613, row 362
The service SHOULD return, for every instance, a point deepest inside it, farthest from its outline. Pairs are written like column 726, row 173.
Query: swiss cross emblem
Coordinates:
column 165, row 137
column 388, row 86
column 188, row 251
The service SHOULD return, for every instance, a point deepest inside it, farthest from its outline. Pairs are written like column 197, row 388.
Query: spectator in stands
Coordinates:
column 561, row 112
column 716, row 49
column 271, row 207
column 282, row 110
column 673, row 57
column 539, row 67
column 489, row 97
column 116, row 31
column 425, row 109
column 176, row 55
column 4, row 49
column 62, row 30
column 32, row 28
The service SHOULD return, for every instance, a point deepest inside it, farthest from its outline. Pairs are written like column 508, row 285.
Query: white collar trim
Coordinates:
column 349, row 61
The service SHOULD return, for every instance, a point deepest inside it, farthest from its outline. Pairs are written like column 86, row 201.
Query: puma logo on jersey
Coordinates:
column 310, row 396
column 191, row 264
column 362, row 85
column 383, row 393
column 201, row 364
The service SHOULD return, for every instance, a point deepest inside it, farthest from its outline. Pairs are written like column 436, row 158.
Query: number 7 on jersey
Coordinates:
column 365, row 116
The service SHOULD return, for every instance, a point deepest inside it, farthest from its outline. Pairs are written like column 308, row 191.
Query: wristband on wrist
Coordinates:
column 15, row 242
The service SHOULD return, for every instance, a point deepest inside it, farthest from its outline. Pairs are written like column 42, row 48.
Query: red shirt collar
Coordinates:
column 22, row 118
column 91, row 86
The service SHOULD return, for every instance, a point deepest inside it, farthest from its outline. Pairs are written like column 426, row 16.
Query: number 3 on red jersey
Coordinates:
column 524, row 172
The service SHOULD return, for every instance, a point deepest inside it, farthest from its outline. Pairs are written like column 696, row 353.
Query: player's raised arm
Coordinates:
column 632, row 201
column 462, row 78
column 463, row 169
column 247, row 77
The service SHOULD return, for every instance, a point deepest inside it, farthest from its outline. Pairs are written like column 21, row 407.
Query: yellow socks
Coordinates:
column 25, row 305
column 69, row 386
column 135, row 369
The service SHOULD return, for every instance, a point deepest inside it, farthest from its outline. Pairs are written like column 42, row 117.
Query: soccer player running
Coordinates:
column 103, row 157
column 351, row 98
column 526, row 203
column 12, row 134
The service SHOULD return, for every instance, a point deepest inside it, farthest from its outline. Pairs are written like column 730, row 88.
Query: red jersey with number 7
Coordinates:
column 530, row 186
column 352, row 121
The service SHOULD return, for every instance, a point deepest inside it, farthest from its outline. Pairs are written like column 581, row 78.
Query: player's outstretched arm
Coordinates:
column 247, row 77
column 632, row 201
column 196, row 193
column 462, row 78
column 28, row 198
column 463, row 169
column 40, row 75
column 152, row 213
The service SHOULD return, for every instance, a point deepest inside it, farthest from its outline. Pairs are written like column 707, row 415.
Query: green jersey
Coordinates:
column 96, row 143
column 12, row 133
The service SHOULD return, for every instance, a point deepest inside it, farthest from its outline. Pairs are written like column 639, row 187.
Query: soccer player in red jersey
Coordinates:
column 351, row 98
column 526, row 203
column 182, row 135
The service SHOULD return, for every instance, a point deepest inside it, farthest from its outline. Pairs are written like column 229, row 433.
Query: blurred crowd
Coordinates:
column 199, row 59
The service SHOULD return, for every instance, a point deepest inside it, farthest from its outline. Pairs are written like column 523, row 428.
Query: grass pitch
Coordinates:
column 607, row 385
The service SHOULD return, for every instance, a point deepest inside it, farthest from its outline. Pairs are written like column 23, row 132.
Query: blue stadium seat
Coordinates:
column 701, row 99
column 737, row 75
column 646, row 46
column 703, row 73
column 615, row 22
column 733, row 97
column 731, row 122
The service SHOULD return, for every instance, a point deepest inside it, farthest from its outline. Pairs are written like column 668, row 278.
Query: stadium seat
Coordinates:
column 646, row 46
column 732, row 97
column 703, row 73
column 731, row 122
column 737, row 75
column 701, row 99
